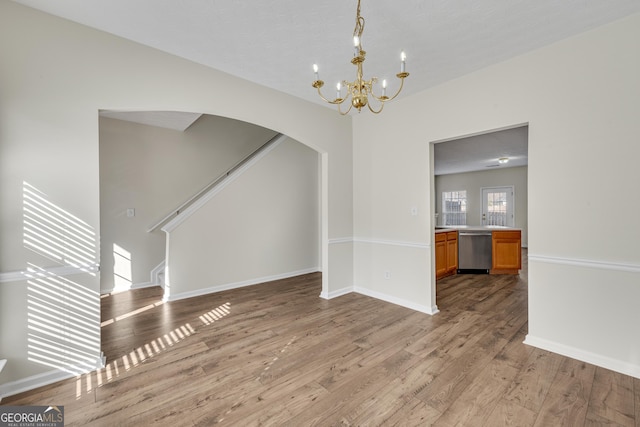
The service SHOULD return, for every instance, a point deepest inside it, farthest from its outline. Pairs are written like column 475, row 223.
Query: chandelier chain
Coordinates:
column 359, row 29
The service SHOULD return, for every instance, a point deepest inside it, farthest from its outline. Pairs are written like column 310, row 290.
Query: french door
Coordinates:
column 497, row 206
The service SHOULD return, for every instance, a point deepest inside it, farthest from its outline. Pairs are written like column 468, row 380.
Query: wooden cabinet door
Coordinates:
column 506, row 252
column 441, row 255
column 452, row 252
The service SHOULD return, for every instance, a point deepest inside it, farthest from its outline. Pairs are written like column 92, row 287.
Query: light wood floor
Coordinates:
column 277, row 354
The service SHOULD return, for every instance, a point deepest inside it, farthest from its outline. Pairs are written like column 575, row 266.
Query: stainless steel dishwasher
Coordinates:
column 474, row 251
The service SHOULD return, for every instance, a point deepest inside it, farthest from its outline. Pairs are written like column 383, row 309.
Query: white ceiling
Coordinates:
column 481, row 152
column 275, row 43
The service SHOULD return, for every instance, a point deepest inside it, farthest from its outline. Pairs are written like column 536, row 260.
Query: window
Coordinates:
column 454, row 207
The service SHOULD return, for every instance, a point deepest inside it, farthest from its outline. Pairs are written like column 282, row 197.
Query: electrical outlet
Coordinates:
column 131, row 212
column 387, row 274
column 414, row 211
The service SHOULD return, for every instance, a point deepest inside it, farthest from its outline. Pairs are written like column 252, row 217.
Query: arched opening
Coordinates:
column 151, row 162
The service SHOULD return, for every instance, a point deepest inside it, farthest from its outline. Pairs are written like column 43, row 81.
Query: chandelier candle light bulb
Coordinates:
column 360, row 91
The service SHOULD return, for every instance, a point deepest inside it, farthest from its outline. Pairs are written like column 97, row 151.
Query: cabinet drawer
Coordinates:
column 506, row 235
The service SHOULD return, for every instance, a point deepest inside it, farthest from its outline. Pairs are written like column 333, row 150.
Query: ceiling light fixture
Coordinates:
column 503, row 160
column 360, row 90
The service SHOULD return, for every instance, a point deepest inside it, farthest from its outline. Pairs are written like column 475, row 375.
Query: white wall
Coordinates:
column 261, row 226
column 473, row 182
column 154, row 170
column 580, row 99
column 54, row 78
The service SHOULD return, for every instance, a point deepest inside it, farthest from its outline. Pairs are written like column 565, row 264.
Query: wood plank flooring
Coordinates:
column 278, row 355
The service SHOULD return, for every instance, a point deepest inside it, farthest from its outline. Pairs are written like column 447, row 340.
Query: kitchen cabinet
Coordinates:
column 446, row 248
column 506, row 250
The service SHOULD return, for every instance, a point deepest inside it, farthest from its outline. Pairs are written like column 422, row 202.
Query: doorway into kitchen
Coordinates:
column 479, row 185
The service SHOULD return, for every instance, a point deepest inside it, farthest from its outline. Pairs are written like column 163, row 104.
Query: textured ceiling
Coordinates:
column 275, row 43
column 481, row 152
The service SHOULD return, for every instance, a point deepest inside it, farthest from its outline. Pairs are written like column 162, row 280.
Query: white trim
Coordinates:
column 143, row 285
column 397, row 301
column 241, row 284
column 418, row 245
column 174, row 223
column 585, row 356
column 155, row 280
column 58, row 270
column 482, row 132
column 43, row 379
column 382, row 297
column 156, row 272
column 220, row 179
column 340, row 240
column 338, row 293
column 632, row 268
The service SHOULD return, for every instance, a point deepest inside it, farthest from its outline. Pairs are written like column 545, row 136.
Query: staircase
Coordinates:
column 174, row 213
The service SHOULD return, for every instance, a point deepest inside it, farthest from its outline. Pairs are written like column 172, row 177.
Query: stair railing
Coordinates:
column 175, row 212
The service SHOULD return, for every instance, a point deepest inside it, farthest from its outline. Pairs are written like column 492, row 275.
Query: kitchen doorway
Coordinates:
column 488, row 168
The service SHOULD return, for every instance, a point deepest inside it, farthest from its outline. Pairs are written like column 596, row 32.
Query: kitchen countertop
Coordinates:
column 444, row 229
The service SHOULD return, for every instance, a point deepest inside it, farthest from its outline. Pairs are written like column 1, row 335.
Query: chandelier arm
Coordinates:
column 399, row 89
column 382, row 99
column 346, row 112
column 336, row 101
column 376, row 111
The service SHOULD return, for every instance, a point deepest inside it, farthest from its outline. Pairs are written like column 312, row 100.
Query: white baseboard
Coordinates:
column 336, row 294
column 134, row 286
column 144, row 285
column 585, row 356
column 229, row 286
column 383, row 297
column 43, row 379
column 154, row 275
column 397, row 301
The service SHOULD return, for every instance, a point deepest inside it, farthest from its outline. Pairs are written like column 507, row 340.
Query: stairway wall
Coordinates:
column 153, row 170
column 263, row 225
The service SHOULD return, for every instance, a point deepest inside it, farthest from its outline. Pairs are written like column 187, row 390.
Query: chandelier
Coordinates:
column 360, row 91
